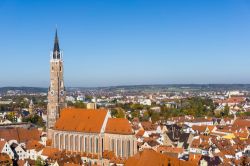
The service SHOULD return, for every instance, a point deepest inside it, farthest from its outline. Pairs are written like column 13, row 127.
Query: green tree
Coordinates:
column 226, row 111
column 10, row 116
column 135, row 114
column 80, row 104
column 35, row 119
column 118, row 113
column 39, row 162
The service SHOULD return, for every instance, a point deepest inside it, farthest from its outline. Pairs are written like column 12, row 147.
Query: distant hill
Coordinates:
column 166, row 87
column 24, row 89
column 202, row 87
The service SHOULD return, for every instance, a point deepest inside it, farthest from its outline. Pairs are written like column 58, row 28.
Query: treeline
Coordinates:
column 195, row 106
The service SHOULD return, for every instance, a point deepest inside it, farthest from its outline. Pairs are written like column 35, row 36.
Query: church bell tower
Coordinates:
column 56, row 92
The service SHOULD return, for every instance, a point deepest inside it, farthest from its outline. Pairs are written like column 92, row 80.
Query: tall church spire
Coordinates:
column 56, row 93
column 56, row 50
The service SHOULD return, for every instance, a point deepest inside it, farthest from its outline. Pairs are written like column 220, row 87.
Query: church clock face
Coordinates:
column 52, row 93
column 62, row 92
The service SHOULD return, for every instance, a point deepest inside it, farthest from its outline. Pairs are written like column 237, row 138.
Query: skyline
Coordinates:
column 115, row 43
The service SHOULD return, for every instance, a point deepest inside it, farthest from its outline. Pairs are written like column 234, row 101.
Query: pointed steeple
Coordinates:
column 56, row 50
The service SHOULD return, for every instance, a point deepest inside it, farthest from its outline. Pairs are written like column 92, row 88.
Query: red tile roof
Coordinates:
column 49, row 151
column 20, row 134
column 2, row 143
column 149, row 157
column 82, row 120
column 33, row 144
column 118, row 126
column 241, row 123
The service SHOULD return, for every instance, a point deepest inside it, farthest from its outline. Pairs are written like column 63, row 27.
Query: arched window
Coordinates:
column 71, row 143
column 66, row 142
column 128, row 148
column 102, row 145
column 76, row 143
column 85, row 144
column 61, row 141
column 96, row 145
column 118, row 145
column 123, row 149
column 113, row 145
column 81, row 143
column 91, row 145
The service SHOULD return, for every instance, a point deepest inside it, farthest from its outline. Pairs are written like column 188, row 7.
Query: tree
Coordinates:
column 35, row 119
column 39, row 162
column 226, row 110
column 80, row 104
column 10, row 116
column 118, row 113
column 135, row 114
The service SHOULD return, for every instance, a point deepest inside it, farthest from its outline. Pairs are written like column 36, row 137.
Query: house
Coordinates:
column 5, row 148
column 200, row 122
column 207, row 160
column 48, row 152
column 145, row 102
column 34, row 149
column 177, row 138
column 170, row 151
column 149, row 157
column 21, row 152
column 205, row 130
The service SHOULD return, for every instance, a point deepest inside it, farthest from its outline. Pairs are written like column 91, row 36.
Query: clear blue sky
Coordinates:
column 124, row 42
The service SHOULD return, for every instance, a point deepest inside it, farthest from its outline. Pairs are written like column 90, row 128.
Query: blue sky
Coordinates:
column 117, row 42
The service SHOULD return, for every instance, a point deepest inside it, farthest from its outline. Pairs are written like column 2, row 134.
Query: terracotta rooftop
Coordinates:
column 70, row 164
column 163, row 148
column 5, row 159
column 195, row 158
column 49, row 151
column 33, row 144
column 20, row 134
column 241, row 123
column 118, row 126
column 2, row 143
column 82, row 120
column 140, row 133
column 148, row 126
column 150, row 157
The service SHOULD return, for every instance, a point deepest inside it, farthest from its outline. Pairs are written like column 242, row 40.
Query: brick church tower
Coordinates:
column 56, row 92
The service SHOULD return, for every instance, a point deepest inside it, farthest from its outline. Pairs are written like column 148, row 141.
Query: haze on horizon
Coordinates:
column 107, row 43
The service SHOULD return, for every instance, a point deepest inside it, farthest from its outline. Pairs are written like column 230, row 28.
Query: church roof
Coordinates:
column 56, row 43
column 81, row 120
column 56, row 50
column 118, row 126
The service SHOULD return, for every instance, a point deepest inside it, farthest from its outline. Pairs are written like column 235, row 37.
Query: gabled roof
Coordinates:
column 49, row 151
column 81, row 120
column 140, row 133
column 33, row 144
column 149, row 157
column 241, row 123
column 118, row 126
column 20, row 134
column 2, row 143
